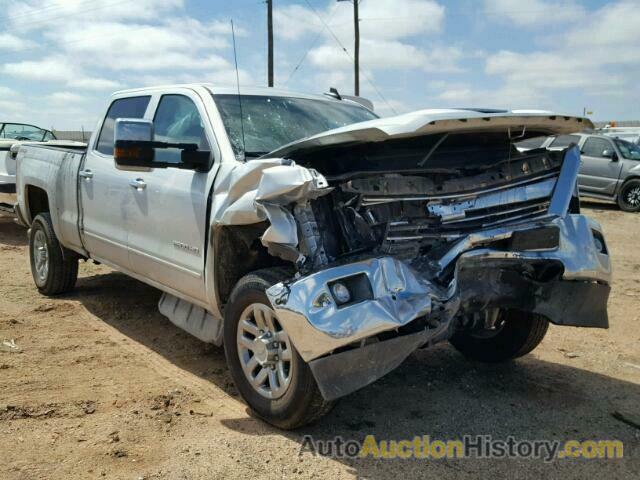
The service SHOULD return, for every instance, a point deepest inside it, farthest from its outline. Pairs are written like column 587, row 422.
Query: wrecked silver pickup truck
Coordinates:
column 323, row 264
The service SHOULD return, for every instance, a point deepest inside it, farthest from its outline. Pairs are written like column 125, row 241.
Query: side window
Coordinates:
column 594, row 147
column 133, row 107
column 563, row 141
column 177, row 121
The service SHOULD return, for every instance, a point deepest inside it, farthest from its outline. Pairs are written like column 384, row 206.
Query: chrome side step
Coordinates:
column 191, row 318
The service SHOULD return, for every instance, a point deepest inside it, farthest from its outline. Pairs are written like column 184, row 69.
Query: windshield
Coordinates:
column 271, row 122
column 629, row 150
column 19, row 131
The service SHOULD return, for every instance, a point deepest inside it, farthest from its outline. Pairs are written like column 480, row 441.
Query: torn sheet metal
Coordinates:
column 259, row 190
column 317, row 325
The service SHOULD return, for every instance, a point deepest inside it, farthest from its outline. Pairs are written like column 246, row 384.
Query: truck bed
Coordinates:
column 53, row 169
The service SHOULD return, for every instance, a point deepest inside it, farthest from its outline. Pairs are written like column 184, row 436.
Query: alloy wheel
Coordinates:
column 265, row 351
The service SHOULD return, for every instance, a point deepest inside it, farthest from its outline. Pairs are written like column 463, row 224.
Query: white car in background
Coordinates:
column 12, row 135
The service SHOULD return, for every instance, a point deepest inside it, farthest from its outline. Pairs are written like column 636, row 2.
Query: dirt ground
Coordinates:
column 102, row 386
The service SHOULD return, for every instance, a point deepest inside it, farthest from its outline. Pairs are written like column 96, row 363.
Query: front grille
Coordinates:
column 451, row 218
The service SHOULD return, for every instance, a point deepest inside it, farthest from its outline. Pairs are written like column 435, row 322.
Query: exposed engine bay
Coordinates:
column 401, row 241
column 415, row 212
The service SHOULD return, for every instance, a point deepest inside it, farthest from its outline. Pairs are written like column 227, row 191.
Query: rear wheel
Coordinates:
column 515, row 334
column 54, row 268
column 629, row 196
column 266, row 368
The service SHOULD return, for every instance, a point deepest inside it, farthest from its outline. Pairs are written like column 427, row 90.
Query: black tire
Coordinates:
column 62, row 264
column 302, row 402
column 519, row 335
column 629, row 196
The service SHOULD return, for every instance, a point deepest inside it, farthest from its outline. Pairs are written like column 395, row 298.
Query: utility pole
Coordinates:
column 270, row 42
column 356, row 59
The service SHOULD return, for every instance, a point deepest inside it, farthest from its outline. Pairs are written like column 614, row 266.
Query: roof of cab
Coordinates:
column 230, row 90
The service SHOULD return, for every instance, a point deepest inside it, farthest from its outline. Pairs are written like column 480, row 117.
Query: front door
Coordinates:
column 600, row 167
column 167, row 235
column 105, row 192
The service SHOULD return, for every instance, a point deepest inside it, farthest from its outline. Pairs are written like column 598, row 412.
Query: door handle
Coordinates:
column 86, row 174
column 138, row 184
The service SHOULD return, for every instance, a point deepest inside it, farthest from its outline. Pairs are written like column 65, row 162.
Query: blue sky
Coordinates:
column 60, row 59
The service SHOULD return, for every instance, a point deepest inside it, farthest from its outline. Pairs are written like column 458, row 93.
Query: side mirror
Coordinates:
column 134, row 148
column 198, row 160
column 133, row 139
column 608, row 153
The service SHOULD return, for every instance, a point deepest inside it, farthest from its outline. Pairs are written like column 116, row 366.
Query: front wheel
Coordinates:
column 265, row 366
column 629, row 196
column 516, row 334
column 54, row 268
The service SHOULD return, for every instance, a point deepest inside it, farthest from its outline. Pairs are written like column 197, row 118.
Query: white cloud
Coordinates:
column 11, row 104
column 534, row 12
column 612, row 35
column 64, row 98
column 38, row 14
column 176, row 44
column 223, row 77
column 554, row 70
column 92, row 38
column 589, row 59
column 93, row 83
column 506, row 96
column 385, row 26
column 388, row 54
column 14, row 109
column 50, row 69
column 7, row 92
column 381, row 19
column 294, row 21
column 10, row 42
column 57, row 69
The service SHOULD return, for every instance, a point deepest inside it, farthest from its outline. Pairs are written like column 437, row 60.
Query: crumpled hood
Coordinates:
column 425, row 122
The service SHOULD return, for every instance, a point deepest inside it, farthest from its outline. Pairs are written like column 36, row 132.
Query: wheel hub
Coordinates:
column 265, row 349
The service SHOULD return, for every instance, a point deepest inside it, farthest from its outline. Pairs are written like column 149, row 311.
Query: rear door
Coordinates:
column 167, row 236
column 600, row 168
column 104, row 190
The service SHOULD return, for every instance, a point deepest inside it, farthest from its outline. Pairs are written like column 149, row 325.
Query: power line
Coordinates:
column 20, row 27
column 36, row 11
column 312, row 45
column 328, row 28
column 350, row 57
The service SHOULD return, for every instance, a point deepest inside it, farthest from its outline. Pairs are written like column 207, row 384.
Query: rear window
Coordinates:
column 563, row 141
column 132, row 107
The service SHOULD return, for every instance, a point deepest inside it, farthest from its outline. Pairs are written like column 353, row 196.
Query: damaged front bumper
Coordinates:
column 557, row 267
